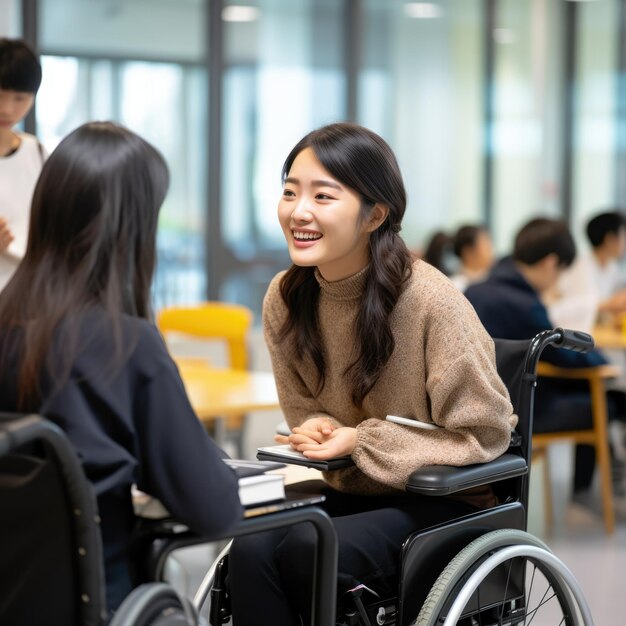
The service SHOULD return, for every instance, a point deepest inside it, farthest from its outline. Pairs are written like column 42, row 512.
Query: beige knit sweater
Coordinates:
column 442, row 370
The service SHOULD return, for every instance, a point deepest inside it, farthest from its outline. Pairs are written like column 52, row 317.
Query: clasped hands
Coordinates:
column 318, row 439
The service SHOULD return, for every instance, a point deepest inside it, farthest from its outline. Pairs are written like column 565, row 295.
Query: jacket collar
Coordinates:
column 506, row 272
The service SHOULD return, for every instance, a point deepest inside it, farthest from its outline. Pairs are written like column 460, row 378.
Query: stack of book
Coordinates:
column 255, row 485
column 260, row 491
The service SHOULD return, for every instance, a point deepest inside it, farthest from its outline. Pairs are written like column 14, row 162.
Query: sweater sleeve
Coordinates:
column 467, row 398
column 178, row 462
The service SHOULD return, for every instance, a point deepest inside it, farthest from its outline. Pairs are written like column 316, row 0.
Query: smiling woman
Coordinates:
column 356, row 331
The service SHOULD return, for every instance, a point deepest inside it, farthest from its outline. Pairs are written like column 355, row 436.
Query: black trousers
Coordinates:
column 271, row 573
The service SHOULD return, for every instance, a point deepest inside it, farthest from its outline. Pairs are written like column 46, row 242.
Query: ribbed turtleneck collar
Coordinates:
column 346, row 289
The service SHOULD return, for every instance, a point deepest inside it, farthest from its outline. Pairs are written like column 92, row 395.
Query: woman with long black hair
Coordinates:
column 358, row 331
column 77, row 344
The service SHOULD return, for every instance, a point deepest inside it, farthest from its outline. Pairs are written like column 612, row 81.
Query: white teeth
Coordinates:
column 306, row 236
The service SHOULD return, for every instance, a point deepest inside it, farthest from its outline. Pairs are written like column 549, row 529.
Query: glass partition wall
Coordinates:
column 526, row 123
column 111, row 60
column 10, row 18
column 421, row 87
column 498, row 110
column 283, row 76
column 596, row 114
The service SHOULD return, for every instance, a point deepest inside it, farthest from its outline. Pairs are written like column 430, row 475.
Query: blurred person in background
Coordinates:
column 510, row 306
column 593, row 287
column 21, row 154
column 474, row 249
column 438, row 251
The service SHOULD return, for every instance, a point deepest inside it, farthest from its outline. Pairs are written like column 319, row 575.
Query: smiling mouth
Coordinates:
column 300, row 236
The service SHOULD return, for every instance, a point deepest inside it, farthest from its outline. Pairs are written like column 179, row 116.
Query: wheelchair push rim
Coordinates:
column 550, row 597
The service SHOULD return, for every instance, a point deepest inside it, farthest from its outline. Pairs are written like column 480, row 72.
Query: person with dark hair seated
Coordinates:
column 473, row 247
column 77, row 344
column 509, row 305
column 438, row 251
column 21, row 155
column 593, row 286
column 358, row 330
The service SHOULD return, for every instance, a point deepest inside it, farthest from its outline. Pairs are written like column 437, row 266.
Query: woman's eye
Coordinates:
column 287, row 193
column 323, row 196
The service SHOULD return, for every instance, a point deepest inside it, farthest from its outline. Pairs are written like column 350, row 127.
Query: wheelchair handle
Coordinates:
column 574, row 340
column 559, row 338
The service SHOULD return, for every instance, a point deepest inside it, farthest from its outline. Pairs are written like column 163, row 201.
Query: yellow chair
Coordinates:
column 214, row 321
column 596, row 436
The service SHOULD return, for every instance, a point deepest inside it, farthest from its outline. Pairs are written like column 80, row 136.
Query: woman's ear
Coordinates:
column 377, row 216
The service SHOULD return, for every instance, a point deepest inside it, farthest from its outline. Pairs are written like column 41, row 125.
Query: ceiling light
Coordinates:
column 240, row 13
column 422, row 10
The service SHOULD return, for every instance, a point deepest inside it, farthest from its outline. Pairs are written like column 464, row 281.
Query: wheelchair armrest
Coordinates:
column 441, row 480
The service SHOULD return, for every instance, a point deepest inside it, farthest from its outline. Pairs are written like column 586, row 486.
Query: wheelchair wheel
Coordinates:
column 155, row 604
column 506, row 577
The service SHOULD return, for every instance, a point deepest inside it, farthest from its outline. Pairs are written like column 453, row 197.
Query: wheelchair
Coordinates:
column 480, row 569
column 51, row 569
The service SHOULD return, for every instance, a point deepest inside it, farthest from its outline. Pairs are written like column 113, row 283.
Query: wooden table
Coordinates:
column 216, row 394
column 609, row 337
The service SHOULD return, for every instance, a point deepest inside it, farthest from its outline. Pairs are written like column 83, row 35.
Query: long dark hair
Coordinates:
column 92, row 242
column 363, row 161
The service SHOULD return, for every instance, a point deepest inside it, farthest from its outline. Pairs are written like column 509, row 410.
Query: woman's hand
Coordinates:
column 6, row 236
column 341, row 442
column 314, row 431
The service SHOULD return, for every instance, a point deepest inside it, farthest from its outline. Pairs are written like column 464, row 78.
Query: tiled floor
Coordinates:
column 578, row 538
column 598, row 562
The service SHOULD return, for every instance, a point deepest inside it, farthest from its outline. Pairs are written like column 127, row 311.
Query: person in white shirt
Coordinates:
column 474, row 249
column 21, row 154
column 592, row 287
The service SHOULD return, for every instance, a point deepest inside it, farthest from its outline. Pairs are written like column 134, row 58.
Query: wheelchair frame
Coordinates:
column 43, row 444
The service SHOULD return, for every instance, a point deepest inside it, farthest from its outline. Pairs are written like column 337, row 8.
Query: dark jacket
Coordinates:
column 510, row 308
column 133, row 424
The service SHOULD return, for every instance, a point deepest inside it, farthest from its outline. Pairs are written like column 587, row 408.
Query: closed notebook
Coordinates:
column 255, row 486
column 287, row 454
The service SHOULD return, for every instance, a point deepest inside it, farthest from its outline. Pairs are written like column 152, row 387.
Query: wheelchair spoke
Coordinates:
column 532, row 581
column 543, row 601
column 506, row 589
